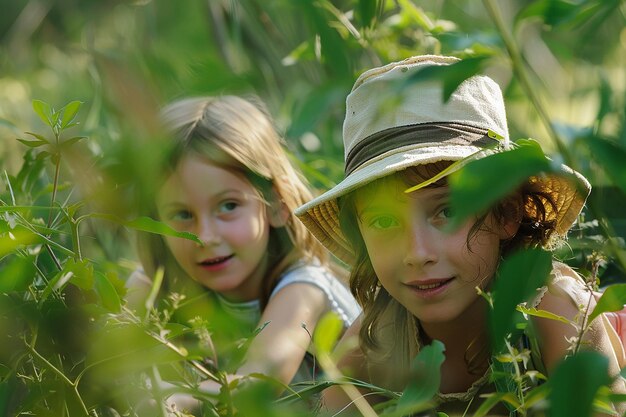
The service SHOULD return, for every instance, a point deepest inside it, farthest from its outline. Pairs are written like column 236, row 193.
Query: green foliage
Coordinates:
column 70, row 345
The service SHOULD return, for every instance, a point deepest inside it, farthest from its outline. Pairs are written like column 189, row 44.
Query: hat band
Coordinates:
column 396, row 137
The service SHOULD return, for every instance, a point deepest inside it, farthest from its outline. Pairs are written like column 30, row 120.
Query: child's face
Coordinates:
column 225, row 211
column 431, row 272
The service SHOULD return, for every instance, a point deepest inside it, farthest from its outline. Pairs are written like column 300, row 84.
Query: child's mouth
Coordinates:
column 216, row 262
column 430, row 287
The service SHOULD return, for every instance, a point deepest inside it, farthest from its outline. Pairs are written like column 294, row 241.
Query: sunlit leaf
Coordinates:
column 44, row 111
column 327, row 333
column 69, row 112
column 574, row 384
column 519, row 276
column 613, row 299
column 542, row 313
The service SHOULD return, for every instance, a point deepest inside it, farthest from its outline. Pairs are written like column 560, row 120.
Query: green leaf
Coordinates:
column 327, row 333
column 518, row 278
column 610, row 156
column 493, row 178
column 17, row 274
column 494, row 399
column 366, row 11
column 147, row 224
column 9, row 241
column 32, row 143
column 68, row 142
column 425, row 378
column 575, row 382
column 613, row 299
column 44, row 111
column 107, row 293
column 450, row 75
column 38, row 136
column 82, row 273
column 69, row 112
column 542, row 313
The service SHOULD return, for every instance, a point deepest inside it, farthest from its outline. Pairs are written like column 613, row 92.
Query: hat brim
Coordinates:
column 568, row 189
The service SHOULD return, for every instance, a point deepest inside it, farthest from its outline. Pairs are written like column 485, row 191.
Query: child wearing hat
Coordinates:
column 415, row 278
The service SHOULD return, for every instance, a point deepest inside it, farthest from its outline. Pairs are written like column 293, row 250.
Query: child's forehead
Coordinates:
column 391, row 189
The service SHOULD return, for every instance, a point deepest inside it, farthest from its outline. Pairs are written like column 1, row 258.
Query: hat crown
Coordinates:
column 385, row 97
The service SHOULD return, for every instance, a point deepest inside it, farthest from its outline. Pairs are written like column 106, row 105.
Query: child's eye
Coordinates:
column 383, row 222
column 228, row 206
column 445, row 213
column 181, row 215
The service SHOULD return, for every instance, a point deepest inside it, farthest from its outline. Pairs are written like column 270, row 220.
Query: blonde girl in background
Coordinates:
column 230, row 183
column 415, row 279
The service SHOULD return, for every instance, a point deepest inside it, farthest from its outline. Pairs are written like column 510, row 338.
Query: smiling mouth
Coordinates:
column 216, row 261
column 430, row 285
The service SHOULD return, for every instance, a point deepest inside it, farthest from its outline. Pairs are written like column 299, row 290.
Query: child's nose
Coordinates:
column 208, row 232
column 421, row 246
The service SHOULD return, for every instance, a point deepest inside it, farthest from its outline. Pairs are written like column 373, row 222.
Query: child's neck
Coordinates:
column 460, row 331
column 466, row 347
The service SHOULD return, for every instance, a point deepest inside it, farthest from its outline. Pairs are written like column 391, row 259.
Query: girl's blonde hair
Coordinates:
column 389, row 332
column 238, row 135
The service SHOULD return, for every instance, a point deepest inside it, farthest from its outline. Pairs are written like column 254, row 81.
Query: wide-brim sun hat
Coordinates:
column 395, row 120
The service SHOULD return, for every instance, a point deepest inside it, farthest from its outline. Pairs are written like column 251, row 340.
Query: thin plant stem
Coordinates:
column 61, row 375
column 520, row 72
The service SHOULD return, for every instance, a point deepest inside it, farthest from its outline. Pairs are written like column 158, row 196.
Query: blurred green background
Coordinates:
column 123, row 59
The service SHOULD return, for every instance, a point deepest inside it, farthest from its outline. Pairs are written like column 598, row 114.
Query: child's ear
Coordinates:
column 278, row 212
column 512, row 210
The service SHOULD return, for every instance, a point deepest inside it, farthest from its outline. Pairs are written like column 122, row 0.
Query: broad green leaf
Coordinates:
column 610, row 156
column 107, row 293
column 493, row 178
column 9, row 241
column 44, row 111
column 574, row 384
column 16, row 274
column 82, row 273
column 520, row 274
column 613, row 299
column 327, row 333
column 69, row 112
column 450, row 75
column 425, row 377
